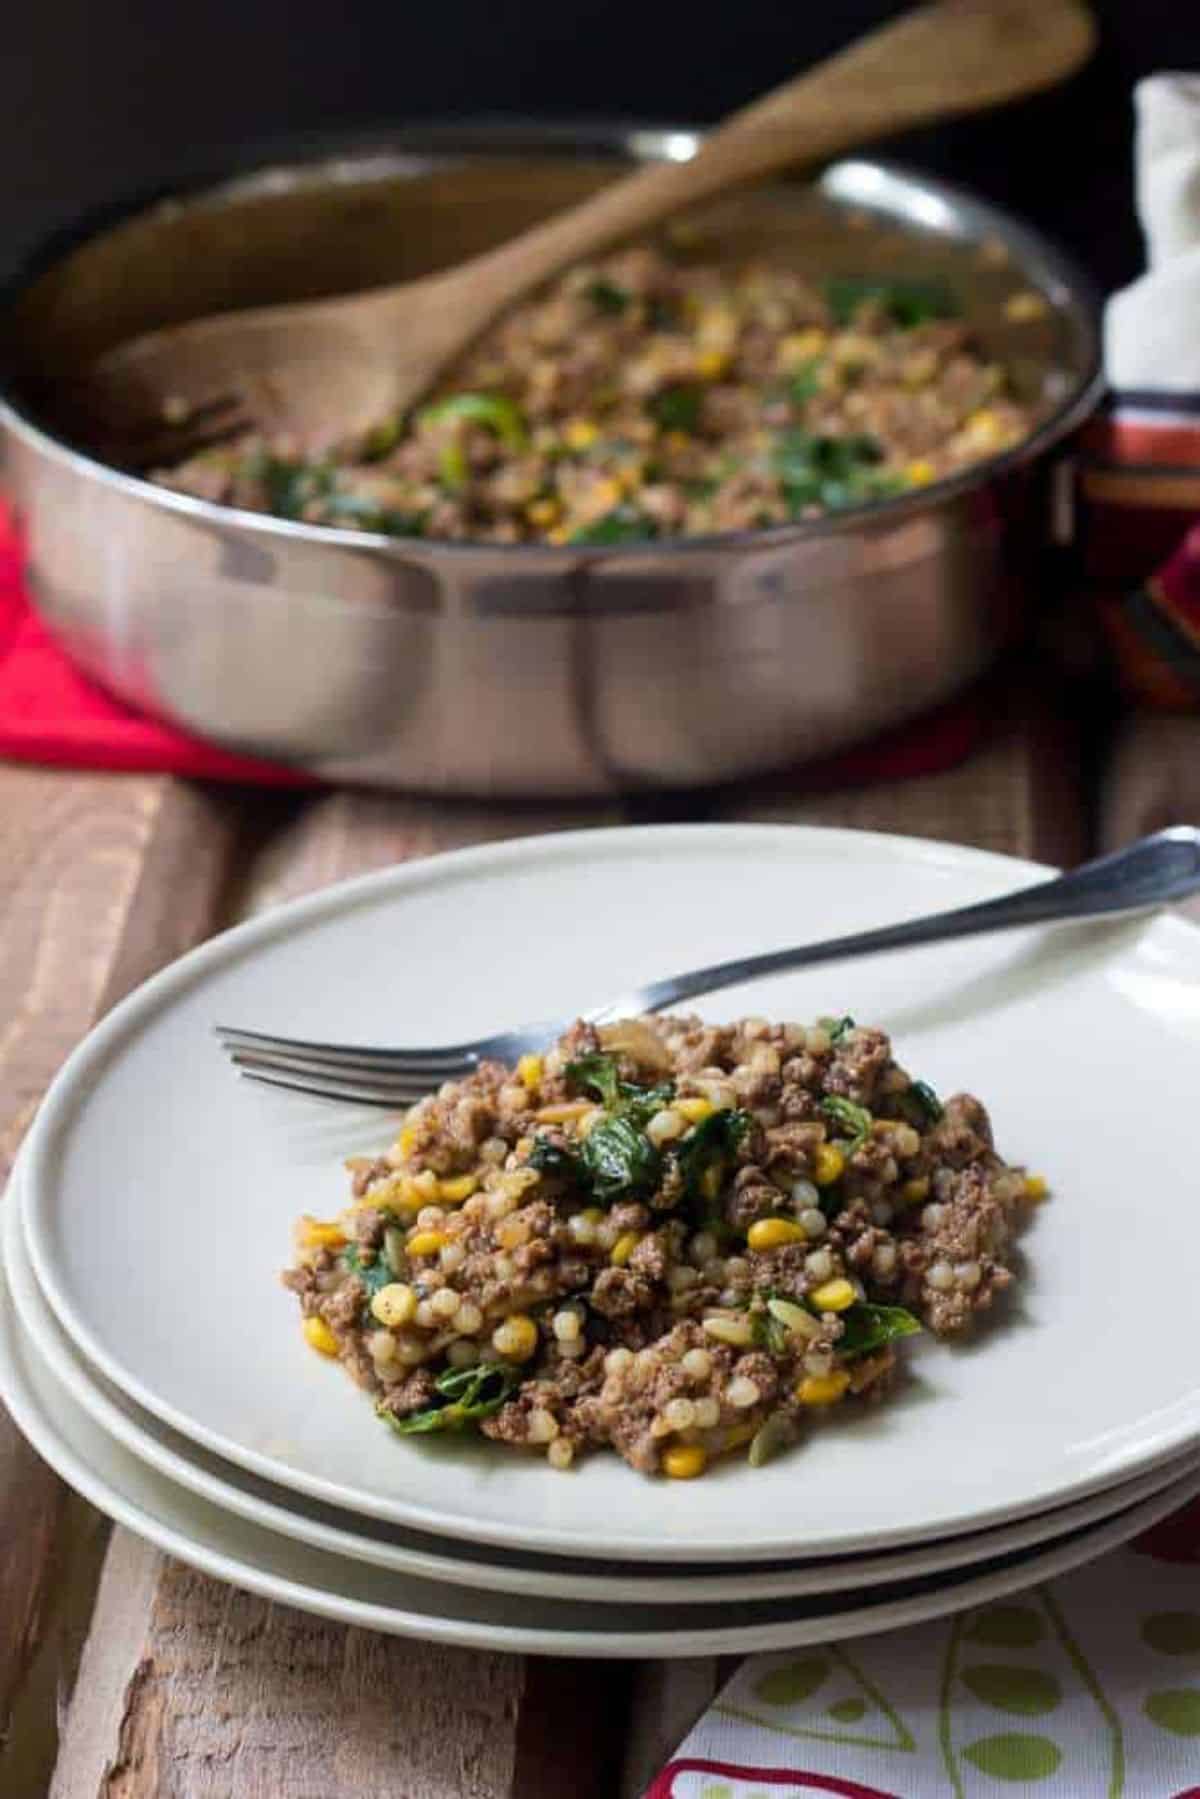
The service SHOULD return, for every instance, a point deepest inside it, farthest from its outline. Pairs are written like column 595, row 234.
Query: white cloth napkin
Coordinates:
column 1152, row 328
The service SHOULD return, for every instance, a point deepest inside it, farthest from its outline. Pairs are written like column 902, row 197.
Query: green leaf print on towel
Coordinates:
column 1015, row 1756
column 1044, row 1669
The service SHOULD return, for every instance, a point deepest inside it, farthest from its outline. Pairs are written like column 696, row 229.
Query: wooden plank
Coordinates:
column 1152, row 780
column 80, row 859
column 191, row 1688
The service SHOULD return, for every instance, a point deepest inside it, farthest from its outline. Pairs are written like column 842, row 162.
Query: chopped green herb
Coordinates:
column 495, row 412
column 906, row 303
column 622, row 525
column 868, row 1327
column 467, row 1395
column 677, row 408
column 606, row 296
column 853, row 1120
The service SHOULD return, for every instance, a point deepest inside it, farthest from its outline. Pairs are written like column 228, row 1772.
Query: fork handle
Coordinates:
column 1152, row 872
column 931, row 63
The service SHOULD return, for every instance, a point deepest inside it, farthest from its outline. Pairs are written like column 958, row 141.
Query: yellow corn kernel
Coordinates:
column 711, row 363
column 406, row 1142
column 799, row 346
column 604, row 496
column 1036, row 1188
column 394, row 1305
column 516, row 1338
column 915, row 1191
column 457, row 1188
column 318, row 1336
column 426, row 1243
column 560, row 534
column 984, row 429
column 543, row 512
column 684, row 1461
column 822, row 1389
column 829, row 1164
column 529, row 1072
column 580, row 434
column 833, row 1296
column 919, row 472
column 773, row 1233
column 1023, row 307
column 695, row 1110
column 624, row 1247
column 717, row 328
column 315, row 1235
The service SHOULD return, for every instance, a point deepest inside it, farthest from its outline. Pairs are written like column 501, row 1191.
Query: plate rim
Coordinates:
column 54, row 1116
column 746, row 1584
column 224, row 1565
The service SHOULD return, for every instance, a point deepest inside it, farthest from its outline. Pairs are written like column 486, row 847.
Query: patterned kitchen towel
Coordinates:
column 1140, row 470
column 1085, row 1689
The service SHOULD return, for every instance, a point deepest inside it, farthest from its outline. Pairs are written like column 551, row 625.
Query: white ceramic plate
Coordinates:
column 161, row 1193
column 289, row 1573
column 408, row 1552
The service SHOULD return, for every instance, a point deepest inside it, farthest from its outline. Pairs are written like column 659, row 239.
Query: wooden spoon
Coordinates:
column 324, row 371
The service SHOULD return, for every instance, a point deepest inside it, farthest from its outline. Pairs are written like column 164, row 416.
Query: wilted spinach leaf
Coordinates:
column 837, row 1027
column 622, row 525
column 867, row 1327
column 466, row 1396
column 291, row 486
column 373, row 1275
column 618, row 1161
column 907, row 303
column 804, row 383
column 921, row 1105
column 677, row 408
column 599, row 1074
column 606, row 296
column 830, row 471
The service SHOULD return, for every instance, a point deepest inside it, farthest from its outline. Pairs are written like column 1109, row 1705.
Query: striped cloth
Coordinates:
column 1139, row 483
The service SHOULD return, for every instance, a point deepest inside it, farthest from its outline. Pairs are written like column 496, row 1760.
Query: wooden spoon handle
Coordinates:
column 939, row 60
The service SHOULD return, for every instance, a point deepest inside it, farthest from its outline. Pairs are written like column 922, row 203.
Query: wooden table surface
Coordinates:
column 123, row 1674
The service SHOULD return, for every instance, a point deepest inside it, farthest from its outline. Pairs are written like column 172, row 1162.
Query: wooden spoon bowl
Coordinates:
column 325, row 371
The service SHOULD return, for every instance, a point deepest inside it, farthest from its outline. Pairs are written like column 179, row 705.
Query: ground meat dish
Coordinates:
column 646, row 396
column 668, row 1237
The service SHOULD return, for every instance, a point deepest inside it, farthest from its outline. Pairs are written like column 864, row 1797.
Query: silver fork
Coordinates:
column 1152, row 872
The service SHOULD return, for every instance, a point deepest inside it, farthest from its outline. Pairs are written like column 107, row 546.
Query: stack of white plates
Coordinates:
column 150, row 1354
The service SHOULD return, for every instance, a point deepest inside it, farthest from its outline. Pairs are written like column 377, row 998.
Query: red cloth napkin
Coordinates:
column 51, row 713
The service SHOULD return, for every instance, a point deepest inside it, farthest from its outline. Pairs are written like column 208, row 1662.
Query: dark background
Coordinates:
column 101, row 97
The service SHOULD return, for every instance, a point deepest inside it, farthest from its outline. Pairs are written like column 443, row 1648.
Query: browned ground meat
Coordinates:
column 668, row 1237
column 646, row 396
